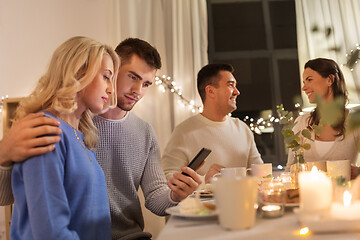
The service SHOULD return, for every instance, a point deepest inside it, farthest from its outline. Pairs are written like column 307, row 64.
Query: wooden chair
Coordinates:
column 8, row 113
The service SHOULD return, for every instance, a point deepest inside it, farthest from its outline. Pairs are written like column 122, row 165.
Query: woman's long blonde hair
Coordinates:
column 72, row 68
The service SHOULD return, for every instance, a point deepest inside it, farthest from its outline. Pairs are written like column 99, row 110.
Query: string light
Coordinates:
column 259, row 125
column 165, row 83
column 262, row 125
column 352, row 57
column 256, row 125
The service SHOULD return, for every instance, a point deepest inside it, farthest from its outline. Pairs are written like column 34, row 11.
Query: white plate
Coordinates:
column 175, row 211
column 323, row 224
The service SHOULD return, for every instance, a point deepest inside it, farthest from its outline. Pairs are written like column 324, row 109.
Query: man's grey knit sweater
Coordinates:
column 129, row 155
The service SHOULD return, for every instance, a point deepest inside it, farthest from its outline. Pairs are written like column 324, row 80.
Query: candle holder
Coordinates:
column 272, row 199
column 287, row 179
column 340, row 185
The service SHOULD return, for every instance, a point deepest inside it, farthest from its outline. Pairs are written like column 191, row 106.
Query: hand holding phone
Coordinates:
column 198, row 159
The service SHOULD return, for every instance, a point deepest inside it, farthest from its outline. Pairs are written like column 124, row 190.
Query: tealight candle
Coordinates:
column 272, row 199
column 347, row 210
column 271, row 211
column 315, row 191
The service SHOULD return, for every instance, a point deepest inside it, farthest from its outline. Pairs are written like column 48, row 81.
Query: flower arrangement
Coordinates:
column 297, row 142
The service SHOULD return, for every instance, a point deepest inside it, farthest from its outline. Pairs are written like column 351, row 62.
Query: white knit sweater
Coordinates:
column 232, row 144
column 343, row 148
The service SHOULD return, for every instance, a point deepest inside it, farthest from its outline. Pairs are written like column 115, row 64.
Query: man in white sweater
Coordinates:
column 128, row 151
column 230, row 139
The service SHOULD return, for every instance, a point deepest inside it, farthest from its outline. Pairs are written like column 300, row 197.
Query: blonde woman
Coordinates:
column 62, row 194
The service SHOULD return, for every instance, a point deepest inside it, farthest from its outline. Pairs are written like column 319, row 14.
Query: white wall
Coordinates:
column 30, row 31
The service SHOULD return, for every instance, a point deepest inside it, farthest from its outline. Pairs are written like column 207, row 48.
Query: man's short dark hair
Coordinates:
column 130, row 46
column 208, row 76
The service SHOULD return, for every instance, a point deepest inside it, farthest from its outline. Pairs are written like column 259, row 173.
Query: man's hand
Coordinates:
column 182, row 186
column 25, row 138
column 214, row 169
column 355, row 171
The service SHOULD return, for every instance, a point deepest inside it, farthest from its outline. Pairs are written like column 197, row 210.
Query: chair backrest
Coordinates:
column 9, row 106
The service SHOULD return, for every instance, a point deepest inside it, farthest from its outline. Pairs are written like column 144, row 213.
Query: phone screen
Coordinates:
column 198, row 159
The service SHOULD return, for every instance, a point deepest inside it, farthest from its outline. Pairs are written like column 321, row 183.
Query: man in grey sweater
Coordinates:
column 128, row 151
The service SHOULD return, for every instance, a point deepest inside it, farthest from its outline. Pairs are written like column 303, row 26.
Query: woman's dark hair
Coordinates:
column 329, row 68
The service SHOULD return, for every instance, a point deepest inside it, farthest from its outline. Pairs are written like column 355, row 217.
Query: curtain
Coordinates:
column 342, row 16
column 178, row 29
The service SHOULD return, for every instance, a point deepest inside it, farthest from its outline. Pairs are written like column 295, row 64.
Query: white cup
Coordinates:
column 236, row 199
column 232, row 172
column 261, row 170
column 337, row 168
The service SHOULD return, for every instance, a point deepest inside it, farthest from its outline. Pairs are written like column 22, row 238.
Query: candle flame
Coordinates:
column 270, row 208
column 304, row 231
column 347, row 198
column 314, row 170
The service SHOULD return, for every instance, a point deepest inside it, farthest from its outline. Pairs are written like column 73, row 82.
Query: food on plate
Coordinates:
column 292, row 196
column 208, row 188
column 190, row 206
column 193, row 206
column 205, row 192
column 209, row 205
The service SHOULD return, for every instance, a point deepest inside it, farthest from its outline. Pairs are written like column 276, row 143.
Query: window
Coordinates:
column 258, row 37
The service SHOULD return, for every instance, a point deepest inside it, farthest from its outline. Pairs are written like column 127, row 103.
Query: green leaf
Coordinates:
column 287, row 133
column 306, row 146
column 292, row 138
column 317, row 129
column 306, row 133
column 296, row 148
column 280, row 110
column 283, row 121
column 331, row 113
column 293, row 144
column 340, row 180
column 354, row 120
column 353, row 58
column 289, row 116
column 290, row 125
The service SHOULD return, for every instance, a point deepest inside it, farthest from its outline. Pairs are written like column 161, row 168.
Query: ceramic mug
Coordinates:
column 236, row 201
column 261, row 170
column 231, row 172
column 337, row 168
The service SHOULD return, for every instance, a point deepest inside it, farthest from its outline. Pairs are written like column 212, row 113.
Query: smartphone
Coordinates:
column 198, row 159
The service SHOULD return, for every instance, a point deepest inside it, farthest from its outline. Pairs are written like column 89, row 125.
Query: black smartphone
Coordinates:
column 198, row 159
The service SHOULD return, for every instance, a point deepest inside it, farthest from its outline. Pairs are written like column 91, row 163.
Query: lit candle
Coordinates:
column 270, row 208
column 315, row 191
column 272, row 211
column 347, row 210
